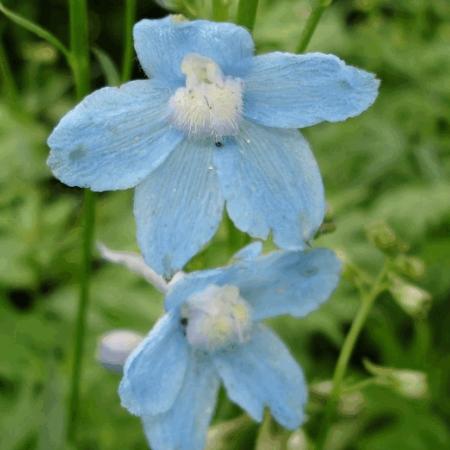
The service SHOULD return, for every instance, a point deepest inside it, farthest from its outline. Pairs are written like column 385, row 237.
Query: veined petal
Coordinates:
column 283, row 282
column 162, row 44
column 271, row 182
column 114, row 138
column 154, row 372
column 263, row 373
column 185, row 425
column 178, row 207
column 296, row 91
column 293, row 283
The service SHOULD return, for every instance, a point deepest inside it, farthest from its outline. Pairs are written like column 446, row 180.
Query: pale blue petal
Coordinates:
column 185, row 425
column 294, row 283
column 279, row 283
column 263, row 373
column 154, row 372
column 190, row 283
column 271, row 182
column 114, row 138
column 296, row 91
column 249, row 252
column 162, row 44
column 178, row 207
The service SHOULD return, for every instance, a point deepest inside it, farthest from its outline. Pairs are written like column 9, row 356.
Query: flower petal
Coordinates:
column 249, row 252
column 283, row 282
column 293, row 283
column 271, row 181
column 114, row 138
column 189, row 284
column 162, row 44
column 154, row 372
column 263, row 373
column 185, row 425
column 296, row 91
column 178, row 207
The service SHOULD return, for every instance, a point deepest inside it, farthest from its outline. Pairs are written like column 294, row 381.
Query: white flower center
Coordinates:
column 216, row 317
column 210, row 104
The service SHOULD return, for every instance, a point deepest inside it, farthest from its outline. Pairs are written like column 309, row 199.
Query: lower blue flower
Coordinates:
column 211, row 333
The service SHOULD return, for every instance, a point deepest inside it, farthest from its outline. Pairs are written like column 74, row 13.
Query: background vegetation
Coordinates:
column 387, row 180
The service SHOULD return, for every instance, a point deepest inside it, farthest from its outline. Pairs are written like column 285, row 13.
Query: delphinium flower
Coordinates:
column 213, row 125
column 212, row 333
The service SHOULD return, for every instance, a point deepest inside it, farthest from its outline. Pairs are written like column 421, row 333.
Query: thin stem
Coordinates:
column 346, row 352
column 36, row 29
column 360, row 385
column 311, row 23
column 130, row 18
column 79, row 46
column 246, row 13
column 80, row 67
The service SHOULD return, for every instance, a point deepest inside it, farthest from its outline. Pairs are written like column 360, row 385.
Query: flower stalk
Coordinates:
column 79, row 49
column 367, row 302
column 246, row 13
column 311, row 24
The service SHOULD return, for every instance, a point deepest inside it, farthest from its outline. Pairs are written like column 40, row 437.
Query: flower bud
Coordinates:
column 298, row 440
column 385, row 239
column 114, row 348
column 410, row 266
column 409, row 383
column 414, row 300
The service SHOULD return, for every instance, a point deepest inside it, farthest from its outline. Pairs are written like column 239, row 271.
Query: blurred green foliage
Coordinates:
column 388, row 169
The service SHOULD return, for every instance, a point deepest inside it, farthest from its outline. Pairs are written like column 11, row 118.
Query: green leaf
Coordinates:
column 37, row 30
column 108, row 67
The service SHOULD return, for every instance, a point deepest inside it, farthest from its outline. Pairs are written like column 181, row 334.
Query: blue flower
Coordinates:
column 212, row 333
column 213, row 125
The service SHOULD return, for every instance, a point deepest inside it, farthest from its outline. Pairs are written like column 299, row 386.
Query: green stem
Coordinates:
column 130, row 18
column 246, row 13
column 80, row 67
column 79, row 46
column 346, row 352
column 311, row 24
column 360, row 385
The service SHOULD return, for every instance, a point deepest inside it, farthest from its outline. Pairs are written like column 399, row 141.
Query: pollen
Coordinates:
column 210, row 104
column 216, row 318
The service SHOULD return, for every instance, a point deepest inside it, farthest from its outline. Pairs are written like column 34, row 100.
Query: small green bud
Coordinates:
column 40, row 52
column 298, row 440
column 410, row 266
column 385, row 239
column 409, row 383
column 414, row 300
column 322, row 389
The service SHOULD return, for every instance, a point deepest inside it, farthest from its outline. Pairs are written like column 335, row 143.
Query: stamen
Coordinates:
column 216, row 318
column 210, row 104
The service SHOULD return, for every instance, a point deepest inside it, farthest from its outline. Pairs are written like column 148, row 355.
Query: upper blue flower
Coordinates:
column 214, row 124
column 211, row 332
